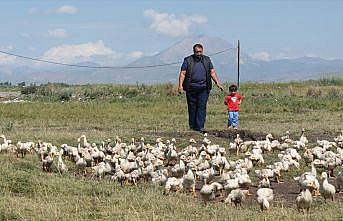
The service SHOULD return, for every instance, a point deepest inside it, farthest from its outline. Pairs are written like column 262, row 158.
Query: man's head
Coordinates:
column 233, row 88
column 198, row 50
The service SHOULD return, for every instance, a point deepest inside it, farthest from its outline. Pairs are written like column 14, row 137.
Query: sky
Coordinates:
column 118, row 32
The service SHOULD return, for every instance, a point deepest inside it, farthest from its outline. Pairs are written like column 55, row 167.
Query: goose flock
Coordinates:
column 203, row 169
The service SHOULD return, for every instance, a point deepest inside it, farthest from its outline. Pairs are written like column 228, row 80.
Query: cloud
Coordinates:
column 312, row 55
column 91, row 51
column 67, row 9
column 261, row 56
column 169, row 25
column 25, row 35
column 267, row 56
column 136, row 54
column 58, row 33
column 32, row 10
column 7, row 59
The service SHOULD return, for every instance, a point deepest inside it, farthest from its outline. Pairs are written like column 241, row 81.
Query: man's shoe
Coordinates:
column 202, row 130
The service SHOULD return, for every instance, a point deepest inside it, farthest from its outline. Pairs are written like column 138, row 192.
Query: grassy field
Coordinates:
column 60, row 113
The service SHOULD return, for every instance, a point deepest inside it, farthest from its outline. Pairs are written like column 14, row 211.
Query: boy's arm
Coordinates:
column 240, row 99
column 226, row 100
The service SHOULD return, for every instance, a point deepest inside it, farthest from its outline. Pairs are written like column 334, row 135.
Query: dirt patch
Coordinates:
column 311, row 135
column 232, row 134
column 285, row 194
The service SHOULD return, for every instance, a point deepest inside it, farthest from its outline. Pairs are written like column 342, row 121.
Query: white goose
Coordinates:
column 265, row 196
column 339, row 181
column 309, row 180
column 327, row 190
column 237, row 196
column 304, row 201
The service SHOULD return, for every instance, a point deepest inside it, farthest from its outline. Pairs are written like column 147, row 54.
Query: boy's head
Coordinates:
column 233, row 88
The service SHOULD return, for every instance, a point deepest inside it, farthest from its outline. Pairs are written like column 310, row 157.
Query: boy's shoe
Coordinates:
column 229, row 127
column 236, row 128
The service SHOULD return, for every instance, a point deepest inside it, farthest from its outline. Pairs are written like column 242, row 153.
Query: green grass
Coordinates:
column 27, row 193
column 105, row 111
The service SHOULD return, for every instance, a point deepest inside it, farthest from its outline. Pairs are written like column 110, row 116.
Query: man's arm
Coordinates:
column 181, row 79
column 216, row 80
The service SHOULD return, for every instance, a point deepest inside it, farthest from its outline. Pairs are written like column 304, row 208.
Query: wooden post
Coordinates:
column 238, row 49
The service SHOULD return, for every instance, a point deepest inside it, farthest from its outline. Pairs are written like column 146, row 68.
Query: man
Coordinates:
column 195, row 79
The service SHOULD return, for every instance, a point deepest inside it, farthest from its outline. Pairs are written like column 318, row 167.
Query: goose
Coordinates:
column 205, row 175
column 132, row 146
column 206, row 141
column 179, row 169
column 271, row 172
column 99, row 169
column 47, row 162
column 173, row 183
column 60, row 164
column 286, row 138
column 264, row 183
column 247, row 144
column 303, row 138
column 191, row 150
column 231, row 184
column 244, row 180
column 189, row 181
column 237, row 196
column 309, row 180
column 82, row 141
column 119, row 175
column 265, row 196
column 339, row 139
column 160, row 178
column 80, row 163
column 238, row 142
column 339, row 181
column 208, row 191
column 304, row 201
column 265, row 144
column 308, row 155
column 24, row 148
column 4, row 143
column 327, row 190
column 275, row 145
column 159, row 145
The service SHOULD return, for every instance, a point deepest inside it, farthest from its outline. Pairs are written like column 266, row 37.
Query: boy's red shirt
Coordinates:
column 232, row 101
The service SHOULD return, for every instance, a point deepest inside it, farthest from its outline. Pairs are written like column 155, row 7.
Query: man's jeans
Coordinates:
column 232, row 119
column 196, row 102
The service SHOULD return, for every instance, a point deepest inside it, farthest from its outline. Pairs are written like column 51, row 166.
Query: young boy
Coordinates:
column 233, row 100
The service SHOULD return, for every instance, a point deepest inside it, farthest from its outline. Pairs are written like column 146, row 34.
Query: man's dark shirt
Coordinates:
column 198, row 76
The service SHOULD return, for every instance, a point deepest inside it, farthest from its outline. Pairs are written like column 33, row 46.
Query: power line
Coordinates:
column 104, row 67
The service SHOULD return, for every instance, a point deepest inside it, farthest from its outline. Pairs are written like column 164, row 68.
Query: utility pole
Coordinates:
column 238, row 48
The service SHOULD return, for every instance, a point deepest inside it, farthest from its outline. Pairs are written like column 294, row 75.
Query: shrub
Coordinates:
column 314, row 92
column 334, row 92
column 29, row 90
column 333, row 80
column 170, row 90
column 65, row 95
column 291, row 90
column 7, row 126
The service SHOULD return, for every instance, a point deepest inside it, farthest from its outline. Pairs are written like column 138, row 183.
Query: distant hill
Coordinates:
column 225, row 63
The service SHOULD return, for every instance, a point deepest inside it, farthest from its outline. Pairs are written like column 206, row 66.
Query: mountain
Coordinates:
column 165, row 66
